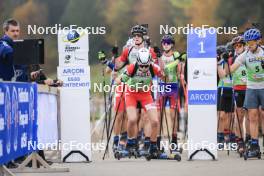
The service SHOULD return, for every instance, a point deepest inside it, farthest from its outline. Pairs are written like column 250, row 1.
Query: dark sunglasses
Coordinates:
column 168, row 42
column 144, row 66
column 238, row 45
column 137, row 35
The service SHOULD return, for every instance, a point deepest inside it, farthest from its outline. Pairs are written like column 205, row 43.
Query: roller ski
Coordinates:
column 121, row 152
column 253, row 151
column 142, row 152
column 164, row 156
column 154, row 153
column 132, row 148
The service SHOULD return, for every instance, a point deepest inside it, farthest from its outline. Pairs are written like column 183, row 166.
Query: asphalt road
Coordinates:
column 224, row 166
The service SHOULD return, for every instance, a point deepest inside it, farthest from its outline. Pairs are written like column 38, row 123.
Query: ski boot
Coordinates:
column 253, row 151
column 121, row 152
column 221, row 140
column 115, row 143
column 248, row 138
column 153, row 153
column 132, row 148
column 143, row 151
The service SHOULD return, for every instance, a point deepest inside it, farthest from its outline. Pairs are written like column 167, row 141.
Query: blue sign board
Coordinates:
column 202, row 44
column 18, row 120
column 202, row 97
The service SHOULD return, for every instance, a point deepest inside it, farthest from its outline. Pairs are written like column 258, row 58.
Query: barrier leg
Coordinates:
column 5, row 171
column 35, row 159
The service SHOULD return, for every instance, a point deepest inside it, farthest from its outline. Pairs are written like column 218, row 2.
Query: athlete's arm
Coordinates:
column 221, row 72
column 241, row 60
column 122, row 59
column 124, row 77
column 157, row 71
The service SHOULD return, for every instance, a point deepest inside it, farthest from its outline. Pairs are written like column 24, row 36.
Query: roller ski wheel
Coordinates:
column 177, row 157
column 121, row 153
column 117, row 156
column 245, row 156
column 132, row 152
column 148, row 157
column 151, row 156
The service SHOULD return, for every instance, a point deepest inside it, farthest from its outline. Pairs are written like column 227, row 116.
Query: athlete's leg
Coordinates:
column 132, row 122
column 240, row 116
column 132, row 129
column 119, row 107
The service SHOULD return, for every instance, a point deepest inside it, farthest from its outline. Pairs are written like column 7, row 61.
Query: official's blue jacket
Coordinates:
column 6, row 58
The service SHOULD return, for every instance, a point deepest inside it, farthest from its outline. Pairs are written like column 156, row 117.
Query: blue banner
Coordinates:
column 202, row 44
column 18, row 119
column 202, row 97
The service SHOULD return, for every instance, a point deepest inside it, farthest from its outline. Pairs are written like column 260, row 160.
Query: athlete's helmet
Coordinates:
column 238, row 39
column 139, row 29
column 252, row 34
column 168, row 38
column 143, row 56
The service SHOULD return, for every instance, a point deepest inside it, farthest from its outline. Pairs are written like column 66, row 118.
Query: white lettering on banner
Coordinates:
column 23, row 140
column 1, row 148
column 73, row 71
column 203, row 97
column 23, row 118
column 22, row 95
column 2, row 124
column 2, row 98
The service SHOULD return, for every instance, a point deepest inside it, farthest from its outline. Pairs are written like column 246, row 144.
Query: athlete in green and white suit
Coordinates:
column 253, row 59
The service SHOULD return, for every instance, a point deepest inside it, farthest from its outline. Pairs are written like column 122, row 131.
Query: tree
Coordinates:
column 30, row 13
column 86, row 13
column 153, row 14
column 120, row 20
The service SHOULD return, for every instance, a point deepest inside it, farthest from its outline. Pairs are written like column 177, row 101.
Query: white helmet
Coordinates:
column 143, row 56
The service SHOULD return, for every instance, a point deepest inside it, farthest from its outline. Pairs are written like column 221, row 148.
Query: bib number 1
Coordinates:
column 201, row 47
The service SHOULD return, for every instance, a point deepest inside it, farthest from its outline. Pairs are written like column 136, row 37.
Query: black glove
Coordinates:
column 115, row 51
column 225, row 56
column 157, row 51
